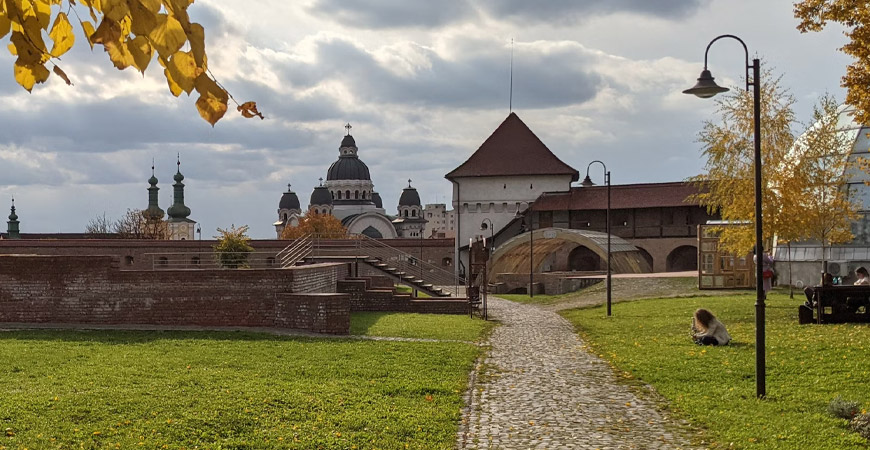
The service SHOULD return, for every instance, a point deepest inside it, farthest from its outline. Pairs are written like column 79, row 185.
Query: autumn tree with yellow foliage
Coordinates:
column 818, row 179
column 728, row 186
column 854, row 16
column 322, row 225
column 130, row 31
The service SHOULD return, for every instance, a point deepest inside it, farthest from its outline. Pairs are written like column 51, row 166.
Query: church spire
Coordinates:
column 12, row 230
column 153, row 212
column 178, row 210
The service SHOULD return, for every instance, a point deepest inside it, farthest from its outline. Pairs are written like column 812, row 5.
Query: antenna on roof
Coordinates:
column 511, row 95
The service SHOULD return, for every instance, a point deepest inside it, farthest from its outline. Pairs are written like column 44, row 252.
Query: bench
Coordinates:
column 839, row 304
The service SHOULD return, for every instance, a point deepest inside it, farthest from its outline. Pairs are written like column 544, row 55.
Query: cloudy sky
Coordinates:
column 423, row 83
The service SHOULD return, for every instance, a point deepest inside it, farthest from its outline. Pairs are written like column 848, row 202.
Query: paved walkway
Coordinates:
column 540, row 388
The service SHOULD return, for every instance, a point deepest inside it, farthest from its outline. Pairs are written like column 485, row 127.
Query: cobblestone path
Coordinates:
column 540, row 389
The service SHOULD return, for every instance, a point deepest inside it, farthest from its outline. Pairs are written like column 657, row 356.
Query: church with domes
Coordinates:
column 349, row 195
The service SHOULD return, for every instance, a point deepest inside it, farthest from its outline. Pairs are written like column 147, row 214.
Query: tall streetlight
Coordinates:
column 586, row 183
column 706, row 88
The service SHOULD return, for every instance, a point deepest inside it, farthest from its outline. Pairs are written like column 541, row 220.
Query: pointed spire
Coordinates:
column 178, row 210
column 409, row 182
column 12, row 229
column 153, row 213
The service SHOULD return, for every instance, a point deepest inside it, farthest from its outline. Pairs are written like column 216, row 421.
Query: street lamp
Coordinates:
column 706, row 88
column 586, row 183
column 487, row 224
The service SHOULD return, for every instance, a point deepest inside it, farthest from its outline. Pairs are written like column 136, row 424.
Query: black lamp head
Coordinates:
column 706, row 87
column 587, row 182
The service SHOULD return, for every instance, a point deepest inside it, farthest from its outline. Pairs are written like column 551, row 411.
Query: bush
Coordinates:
column 232, row 247
column 843, row 409
column 861, row 425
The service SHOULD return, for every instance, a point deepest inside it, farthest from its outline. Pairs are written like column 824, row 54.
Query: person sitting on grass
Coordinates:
column 708, row 330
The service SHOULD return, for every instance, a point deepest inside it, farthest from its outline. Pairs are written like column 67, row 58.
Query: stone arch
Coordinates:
column 372, row 232
column 582, row 259
column 513, row 255
column 647, row 256
column 682, row 258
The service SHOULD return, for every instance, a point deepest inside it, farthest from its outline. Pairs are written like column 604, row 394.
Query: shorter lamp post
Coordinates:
column 586, row 183
column 487, row 224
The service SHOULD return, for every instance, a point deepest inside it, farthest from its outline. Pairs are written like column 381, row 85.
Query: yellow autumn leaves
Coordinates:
column 130, row 31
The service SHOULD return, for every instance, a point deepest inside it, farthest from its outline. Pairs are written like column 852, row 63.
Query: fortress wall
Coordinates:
column 93, row 290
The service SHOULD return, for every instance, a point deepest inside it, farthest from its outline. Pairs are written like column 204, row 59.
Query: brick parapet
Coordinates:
column 91, row 290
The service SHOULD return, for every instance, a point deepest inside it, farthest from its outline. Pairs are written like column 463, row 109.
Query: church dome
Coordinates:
column 321, row 196
column 348, row 141
column 409, row 197
column 289, row 200
column 376, row 199
column 348, row 167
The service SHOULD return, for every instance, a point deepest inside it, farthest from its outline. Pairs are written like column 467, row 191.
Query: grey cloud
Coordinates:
column 555, row 78
column 393, row 13
column 570, row 11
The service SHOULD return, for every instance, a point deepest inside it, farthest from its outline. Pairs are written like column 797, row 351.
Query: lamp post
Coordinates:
column 706, row 88
column 586, row 183
column 487, row 224
column 531, row 246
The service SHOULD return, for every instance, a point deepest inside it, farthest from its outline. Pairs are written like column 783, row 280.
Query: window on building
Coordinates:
column 339, row 195
column 413, row 213
column 447, row 261
column 195, row 261
column 270, row 261
column 347, row 194
column 406, row 213
column 356, row 195
column 128, row 260
column 162, row 261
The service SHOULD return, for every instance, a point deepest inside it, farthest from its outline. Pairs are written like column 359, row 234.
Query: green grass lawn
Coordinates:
column 402, row 289
column 209, row 390
column 427, row 326
column 714, row 387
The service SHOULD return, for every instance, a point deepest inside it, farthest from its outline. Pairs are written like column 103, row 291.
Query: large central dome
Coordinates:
column 348, row 166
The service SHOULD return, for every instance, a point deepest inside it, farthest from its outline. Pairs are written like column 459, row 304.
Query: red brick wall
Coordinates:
column 138, row 251
column 91, row 290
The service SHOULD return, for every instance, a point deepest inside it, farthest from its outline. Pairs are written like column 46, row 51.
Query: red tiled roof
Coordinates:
column 512, row 149
column 623, row 196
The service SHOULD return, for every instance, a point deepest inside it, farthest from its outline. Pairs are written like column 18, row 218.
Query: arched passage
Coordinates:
column 682, row 258
column 582, row 259
column 647, row 256
column 519, row 255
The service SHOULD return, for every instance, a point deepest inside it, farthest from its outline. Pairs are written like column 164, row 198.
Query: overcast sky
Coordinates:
column 423, row 83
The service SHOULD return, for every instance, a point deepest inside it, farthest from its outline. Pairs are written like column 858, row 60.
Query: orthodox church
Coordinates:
column 179, row 226
column 349, row 195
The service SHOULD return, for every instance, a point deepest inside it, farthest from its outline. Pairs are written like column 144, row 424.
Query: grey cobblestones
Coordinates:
column 539, row 388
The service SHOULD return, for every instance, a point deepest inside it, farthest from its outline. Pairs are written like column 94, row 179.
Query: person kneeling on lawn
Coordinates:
column 708, row 330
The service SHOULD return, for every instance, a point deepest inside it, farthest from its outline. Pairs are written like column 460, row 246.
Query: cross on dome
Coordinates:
column 288, row 187
column 348, row 127
column 409, row 182
column 321, row 181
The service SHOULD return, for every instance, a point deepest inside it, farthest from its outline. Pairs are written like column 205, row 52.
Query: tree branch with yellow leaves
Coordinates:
column 130, row 31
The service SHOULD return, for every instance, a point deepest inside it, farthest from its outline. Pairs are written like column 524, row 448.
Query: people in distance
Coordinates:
column 810, row 292
column 708, row 330
column 863, row 277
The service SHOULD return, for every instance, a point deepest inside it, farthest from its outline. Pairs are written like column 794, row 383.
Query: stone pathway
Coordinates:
column 539, row 388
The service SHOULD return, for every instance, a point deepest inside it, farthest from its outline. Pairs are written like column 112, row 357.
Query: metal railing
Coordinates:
column 296, row 251
column 212, row 260
column 371, row 250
